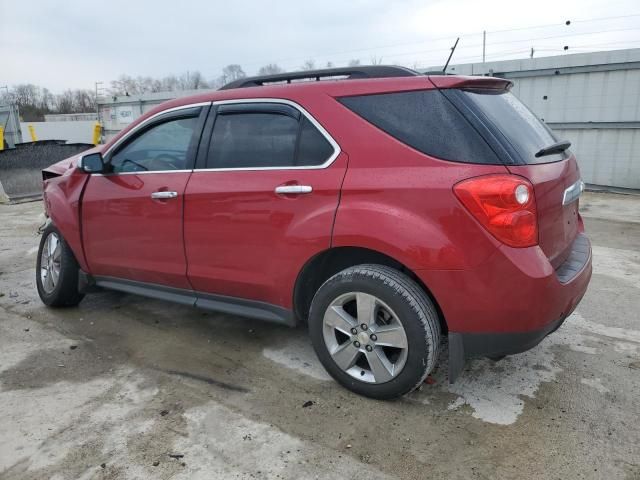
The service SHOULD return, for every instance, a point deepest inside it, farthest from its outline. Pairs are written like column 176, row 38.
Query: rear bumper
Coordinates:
column 510, row 303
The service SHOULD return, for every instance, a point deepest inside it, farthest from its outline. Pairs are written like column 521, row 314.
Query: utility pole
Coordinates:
column 532, row 52
column 484, row 44
column 98, row 88
column 97, row 129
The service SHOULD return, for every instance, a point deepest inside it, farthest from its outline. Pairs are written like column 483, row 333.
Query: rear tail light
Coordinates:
column 504, row 205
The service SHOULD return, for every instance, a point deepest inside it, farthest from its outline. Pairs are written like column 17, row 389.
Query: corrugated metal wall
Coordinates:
column 72, row 132
column 607, row 156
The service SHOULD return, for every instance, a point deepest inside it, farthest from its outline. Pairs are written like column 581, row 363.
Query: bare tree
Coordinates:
column 125, row 85
column 376, row 60
column 354, row 62
column 270, row 69
column 64, row 102
column 31, row 101
column 197, row 81
column 329, row 64
column 83, row 101
column 47, row 100
column 308, row 65
column 25, row 95
column 233, row 72
column 169, row 83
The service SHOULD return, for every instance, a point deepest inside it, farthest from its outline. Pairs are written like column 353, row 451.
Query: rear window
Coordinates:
column 522, row 129
column 425, row 120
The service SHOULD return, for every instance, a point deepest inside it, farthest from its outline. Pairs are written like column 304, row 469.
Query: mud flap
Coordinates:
column 456, row 356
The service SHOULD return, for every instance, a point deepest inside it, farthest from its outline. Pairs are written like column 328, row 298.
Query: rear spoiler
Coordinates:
column 451, row 81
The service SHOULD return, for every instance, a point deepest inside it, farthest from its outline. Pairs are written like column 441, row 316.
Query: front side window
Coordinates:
column 264, row 139
column 162, row 147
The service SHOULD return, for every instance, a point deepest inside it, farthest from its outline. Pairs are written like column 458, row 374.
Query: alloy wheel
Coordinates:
column 365, row 338
column 50, row 262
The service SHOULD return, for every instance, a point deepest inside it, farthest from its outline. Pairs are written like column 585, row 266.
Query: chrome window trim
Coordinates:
column 139, row 173
column 336, row 148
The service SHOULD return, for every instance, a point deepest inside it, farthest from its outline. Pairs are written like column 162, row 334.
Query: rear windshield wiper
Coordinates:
column 557, row 147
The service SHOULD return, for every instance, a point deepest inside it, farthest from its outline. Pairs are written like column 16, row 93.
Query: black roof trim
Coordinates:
column 367, row 71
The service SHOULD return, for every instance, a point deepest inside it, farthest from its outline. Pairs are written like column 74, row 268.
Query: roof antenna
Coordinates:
column 453, row 49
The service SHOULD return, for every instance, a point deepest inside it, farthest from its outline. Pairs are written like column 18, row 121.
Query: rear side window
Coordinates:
column 253, row 140
column 526, row 134
column 266, row 140
column 427, row 121
column 313, row 147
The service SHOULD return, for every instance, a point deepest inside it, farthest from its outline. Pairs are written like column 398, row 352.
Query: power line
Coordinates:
column 451, row 38
column 509, row 42
column 601, row 19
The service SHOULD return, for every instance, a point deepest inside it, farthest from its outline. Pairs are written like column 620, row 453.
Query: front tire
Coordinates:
column 375, row 331
column 57, row 271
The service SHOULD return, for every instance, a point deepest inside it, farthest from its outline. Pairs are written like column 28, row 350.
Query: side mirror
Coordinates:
column 92, row 163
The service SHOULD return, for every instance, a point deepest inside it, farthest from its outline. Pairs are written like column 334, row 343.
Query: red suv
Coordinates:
column 382, row 207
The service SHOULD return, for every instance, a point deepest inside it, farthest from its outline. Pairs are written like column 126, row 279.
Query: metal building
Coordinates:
column 590, row 99
column 10, row 123
column 116, row 113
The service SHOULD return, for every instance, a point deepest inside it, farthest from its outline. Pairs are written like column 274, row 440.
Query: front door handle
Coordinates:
column 293, row 189
column 163, row 195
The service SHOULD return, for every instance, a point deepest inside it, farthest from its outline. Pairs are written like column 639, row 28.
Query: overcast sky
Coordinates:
column 73, row 43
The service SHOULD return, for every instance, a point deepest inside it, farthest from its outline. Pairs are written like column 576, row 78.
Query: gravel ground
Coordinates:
column 126, row 387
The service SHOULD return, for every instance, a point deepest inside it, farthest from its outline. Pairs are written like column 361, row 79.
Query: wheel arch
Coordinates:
column 327, row 263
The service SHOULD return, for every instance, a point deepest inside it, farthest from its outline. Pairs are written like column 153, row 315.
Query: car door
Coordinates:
column 132, row 216
column 262, row 199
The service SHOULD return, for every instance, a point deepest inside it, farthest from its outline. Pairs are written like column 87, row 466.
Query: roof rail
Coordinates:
column 367, row 71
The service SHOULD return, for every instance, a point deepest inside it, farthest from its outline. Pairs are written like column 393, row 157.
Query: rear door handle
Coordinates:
column 164, row 195
column 293, row 189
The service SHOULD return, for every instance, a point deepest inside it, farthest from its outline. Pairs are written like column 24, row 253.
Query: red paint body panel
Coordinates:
column 61, row 197
column 557, row 223
column 244, row 240
column 129, row 235
column 400, row 202
column 516, row 290
column 461, row 81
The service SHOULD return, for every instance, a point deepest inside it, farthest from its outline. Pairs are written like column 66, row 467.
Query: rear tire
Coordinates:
column 57, row 271
column 375, row 330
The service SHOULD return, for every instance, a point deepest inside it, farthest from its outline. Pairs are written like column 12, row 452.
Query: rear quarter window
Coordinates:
column 524, row 132
column 426, row 121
